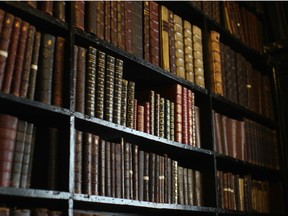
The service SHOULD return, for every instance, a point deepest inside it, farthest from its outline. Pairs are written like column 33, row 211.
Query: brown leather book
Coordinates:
column 113, row 169
column 190, row 176
column 118, row 91
column 220, row 182
column 59, row 10
column 34, row 66
column 152, row 168
column 121, row 24
column 58, row 72
column 75, row 65
column 135, row 170
column 147, row 121
column 225, row 135
column 141, row 175
column 124, row 102
column 218, row 132
column 109, row 88
column 157, row 115
column 40, row 212
column 127, row 186
column 197, row 127
column 180, row 186
column 162, row 179
column 5, row 38
column 107, row 20
column 184, row 115
column 198, row 188
column 190, row 119
column 90, row 14
column 79, row 19
column 167, row 119
column 32, row 4
column 146, row 177
column 175, row 191
column 177, row 99
column 226, row 190
column 179, row 46
column 168, row 179
column 172, row 54
column 154, row 51
column 185, row 185
column 137, row 27
column 10, row 65
column 78, row 162
column 172, row 121
column 87, row 163
column 114, row 29
column 118, row 170
column 140, row 118
column 27, row 62
column 215, row 62
column 45, row 73
column 135, row 119
column 108, row 162
column 100, row 84
column 130, row 103
column 229, row 136
column 100, row 17
column 102, row 168
column 146, row 31
column 164, row 38
column 21, row 212
column 188, row 51
column 90, row 82
column 156, row 171
column 234, row 133
column 241, row 65
column 18, row 153
column 46, row 7
column 127, row 25
column 80, row 79
column 95, row 165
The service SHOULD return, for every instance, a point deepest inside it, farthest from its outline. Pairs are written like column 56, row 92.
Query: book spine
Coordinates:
column 154, row 33
column 197, row 129
column 118, row 91
column 137, row 28
column 185, row 185
column 172, row 52
column 79, row 7
column 60, row 10
column 146, row 31
column 114, row 30
column 108, row 180
column 190, row 174
column 87, row 163
column 164, row 39
column 124, row 102
column 109, row 88
column 141, row 162
column 121, row 36
column 128, row 24
column 188, row 51
column 113, row 170
column 147, row 121
column 95, row 165
column 107, row 21
column 118, row 170
column 179, row 46
column 80, row 79
column 168, row 179
column 135, row 171
column 100, row 17
column 167, row 119
column 162, row 180
column 140, row 118
column 172, row 121
column 157, row 115
column 130, row 103
column 126, row 171
column 180, row 186
column 178, row 112
column 78, row 162
column 102, row 168
column 156, row 183
column 152, row 168
column 146, row 177
column 100, row 84
column 175, row 182
column 189, row 118
column 90, row 14
column 198, row 188
column 162, row 117
column 184, row 116
column 46, row 7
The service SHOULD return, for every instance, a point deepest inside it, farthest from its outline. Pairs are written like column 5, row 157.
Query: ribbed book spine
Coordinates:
column 100, row 84
column 172, row 54
column 95, row 165
column 80, row 80
column 90, row 14
column 100, row 20
column 154, row 33
column 184, row 115
column 114, row 29
column 79, row 7
column 130, row 104
column 137, row 28
column 109, row 88
column 78, row 162
column 87, row 163
column 118, row 91
column 128, row 25
column 121, row 25
column 164, row 39
column 146, row 31
column 107, row 14
column 162, row 117
column 188, row 51
column 167, row 118
column 179, row 46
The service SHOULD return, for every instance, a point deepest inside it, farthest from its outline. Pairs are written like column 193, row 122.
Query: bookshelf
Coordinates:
column 57, row 126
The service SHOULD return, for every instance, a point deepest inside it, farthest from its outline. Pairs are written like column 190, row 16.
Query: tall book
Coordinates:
column 146, row 178
column 127, row 25
column 184, row 115
column 118, row 170
column 141, row 175
column 167, row 119
column 174, row 192
column 114, row 30
column 87, row 163
column 198, row 188
column 90, row 14
column 79, row 8
column 102, row 172
column 121, row 37
column 172, row 54
column 124, row 102
column 108, row 162
column 109, row 88
column 146, row 30
column 152, row 168
column 78, row 161
column 164, row 38
column 157, row 115
column 107, row 21
column 180, row 185
column 80, row 80
column 100, row 19
column 154, row 33
column 188, row 51
column 95, row 165
column 100, row 84
column 135, row 170
column 117, row 91
column 137, row 28
column 179, row 46
column 130, row 103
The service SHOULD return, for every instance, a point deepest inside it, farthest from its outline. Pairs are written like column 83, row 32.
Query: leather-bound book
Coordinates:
column 8, row 132
column 185, row 186
column 46, row 7
column 118, row 170
column 45, row 73
column 146, row 30
column 127, row 26
column 140, row 118
column 74, row 78
column 18, row 153
column 162, row 117
column 95, row 165
column 177, row 99
column 114, row 29
column 12, row 53
column 80, row 80
column 34, row 66
column 198, row 188
column 164, row 38
column 32, row 146
column 179, row 46
column 79, row 19
column 108, row 182
column 147, row 121
column 234, row 133
column 90, row 14
column 219, row 133
column 78, row 162
column 5, row 38
column 131, row 171
column 137, row 27
column 167, row 179
column 225, row 135
column 172, row 54
column 109, row 88
column 198, row 56
column 234, row 88
column 100, row 84
column 223, row 68
column 241, row 64
column 156, row 183
column 141, row 175
column 59, row 10
column 157, row 115
column 226, row 190
column 113, row 169
column 220, row 191
column 107, row 21
column 174, row 191
column 190, row 118
column 135, row 118
column 215, row 62
column 90, row 82
column 180, row 185
column 124, row 102
column 102, row 168
column 188, row 51
column 172, row 121
column 154, row 50
column 167, row 119
column 40, row 212
column 152, row 168
column 190, row 176
column 146, row 177
column 184, row 116
column 162, row 179
column 127, row 186
column 130, row 103
column 100, row 17
column 32, row 4
column 87, row 163
column 21, row 212
column 58, row 72
column 229, row 136
column 152, row 111
column 19, row 61
column 27, row 62
column 135, row 170
column 121, row 24
column 118, row 91
column 53, row 162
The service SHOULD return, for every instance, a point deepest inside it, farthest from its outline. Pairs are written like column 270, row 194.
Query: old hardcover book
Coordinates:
column 146, row 177
column 191, row 118
column 121, row 25
column 162, row 117
column 90, row 14
column 185, row 185
column 188, row 51
column 114, row 30
column 154, row 51
column 215, row 63
column 80, row 79
column 172, row 121
column 156, row 183
column 175, row 186
column 100, row 17
column 130, row 103
column 113, row 169
column 225, row 135
column 198, row 188
column 127, row 186
column 172, row 56
column 177, row 99
column 27, row 62
column 157, row 115
column 181, row 185
column 87, row 163
column 218, row 132
column 146, row 30
column 100, row 84
column 102, row 168
column 184, row 115
column 90, row 82
column 118, row 170
column 152, row 168
column 45, row 73
column 108, row 162
column 109, row 88
column 95, row 165
column 127, row 25
column 58, row 72
column 141, row 163
column 118, row 91
column 179, row 46
column 107, row 21
column 152, row 111
column 190, row 174
column 241, row 65
column 135, row 170
column 59, row 10
column 140, row 118
column 137, row 27
column 46, row 7
column 79, row 21
column 78, row 162
column 167, row 179
column 10, row 65
column 147, row 121
column 167, row 119
column 5, row 38
column 135, row 119
column 164, row 38
column 124, row 102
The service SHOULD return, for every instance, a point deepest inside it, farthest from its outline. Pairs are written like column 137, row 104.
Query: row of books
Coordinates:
column 210, row 8
column 233, row 77
column 103, row 213
column 5, row 211
column 101, row 91
column 31, row 62
column 243, row 193
column 245, row 140
column 123, row 170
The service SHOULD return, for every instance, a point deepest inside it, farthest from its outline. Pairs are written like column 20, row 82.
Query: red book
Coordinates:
column 185, row 115
column 147, row 117
column 154, row 33
column 140, row 118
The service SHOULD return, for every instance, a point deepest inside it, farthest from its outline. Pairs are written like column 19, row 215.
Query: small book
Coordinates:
column 59, row 10
column 46, row 7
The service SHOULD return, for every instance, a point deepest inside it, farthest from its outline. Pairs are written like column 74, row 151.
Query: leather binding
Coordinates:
column 237, row 192
column 34, row 66
column 90, row 14
column 46, row 61
column 196, row 128
column 140, row 118
column 100, row 84
column 107, row 21
column 172, row 55
column 229, row 136
column 164, row 39
column 109, row 88
column 198, row 188
column 90, row 82
column 179, row 46
column 121, row 25
column 219, row 133
column 27, row 62
column 131, row 175
column 137, row 27
column 124, row 102
column 59, row 10
column 152, row 112
column 175, row 182
column 100, row 16
column 46, row 7
column 223, row 68
column 184, row 115
column 17, row 74
column 152, row 166
column 190, row 176
column 156, row 184
column 4, row 43
column 177, row 99
column 188, row 51
column 40, row 212
column 126, row 171
column 147, row 121
column 154, row 51
column 215, row 63
column 146, row 31
column 108, row 180
column 167, row 120
column 234, row 132
column 58, row 72
column 74, row 78
column 122, row 151
column 118, row 170
column 130, row 103
column 168, row 179
column 10, row 65
column 141, row 175
column 241, row 140
column 102, row 168
column 80, row 80
column 87, row 163
column 162, row 179
column 95, row 165
column 172, row 121
column 198, row 56
column 79, row 7
column 225, row 135
column 135, row 119
column 117, row 91
column 114, row 29
column 135, row 171
column 146, row 177
column 233, row 96
column 157, row 115
column 78, row 162
column 226, row 190
column 18, row 153
column 190, row 119
column 127, row 25
column 241, row 64
column 185, row 186
column 180, row 185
